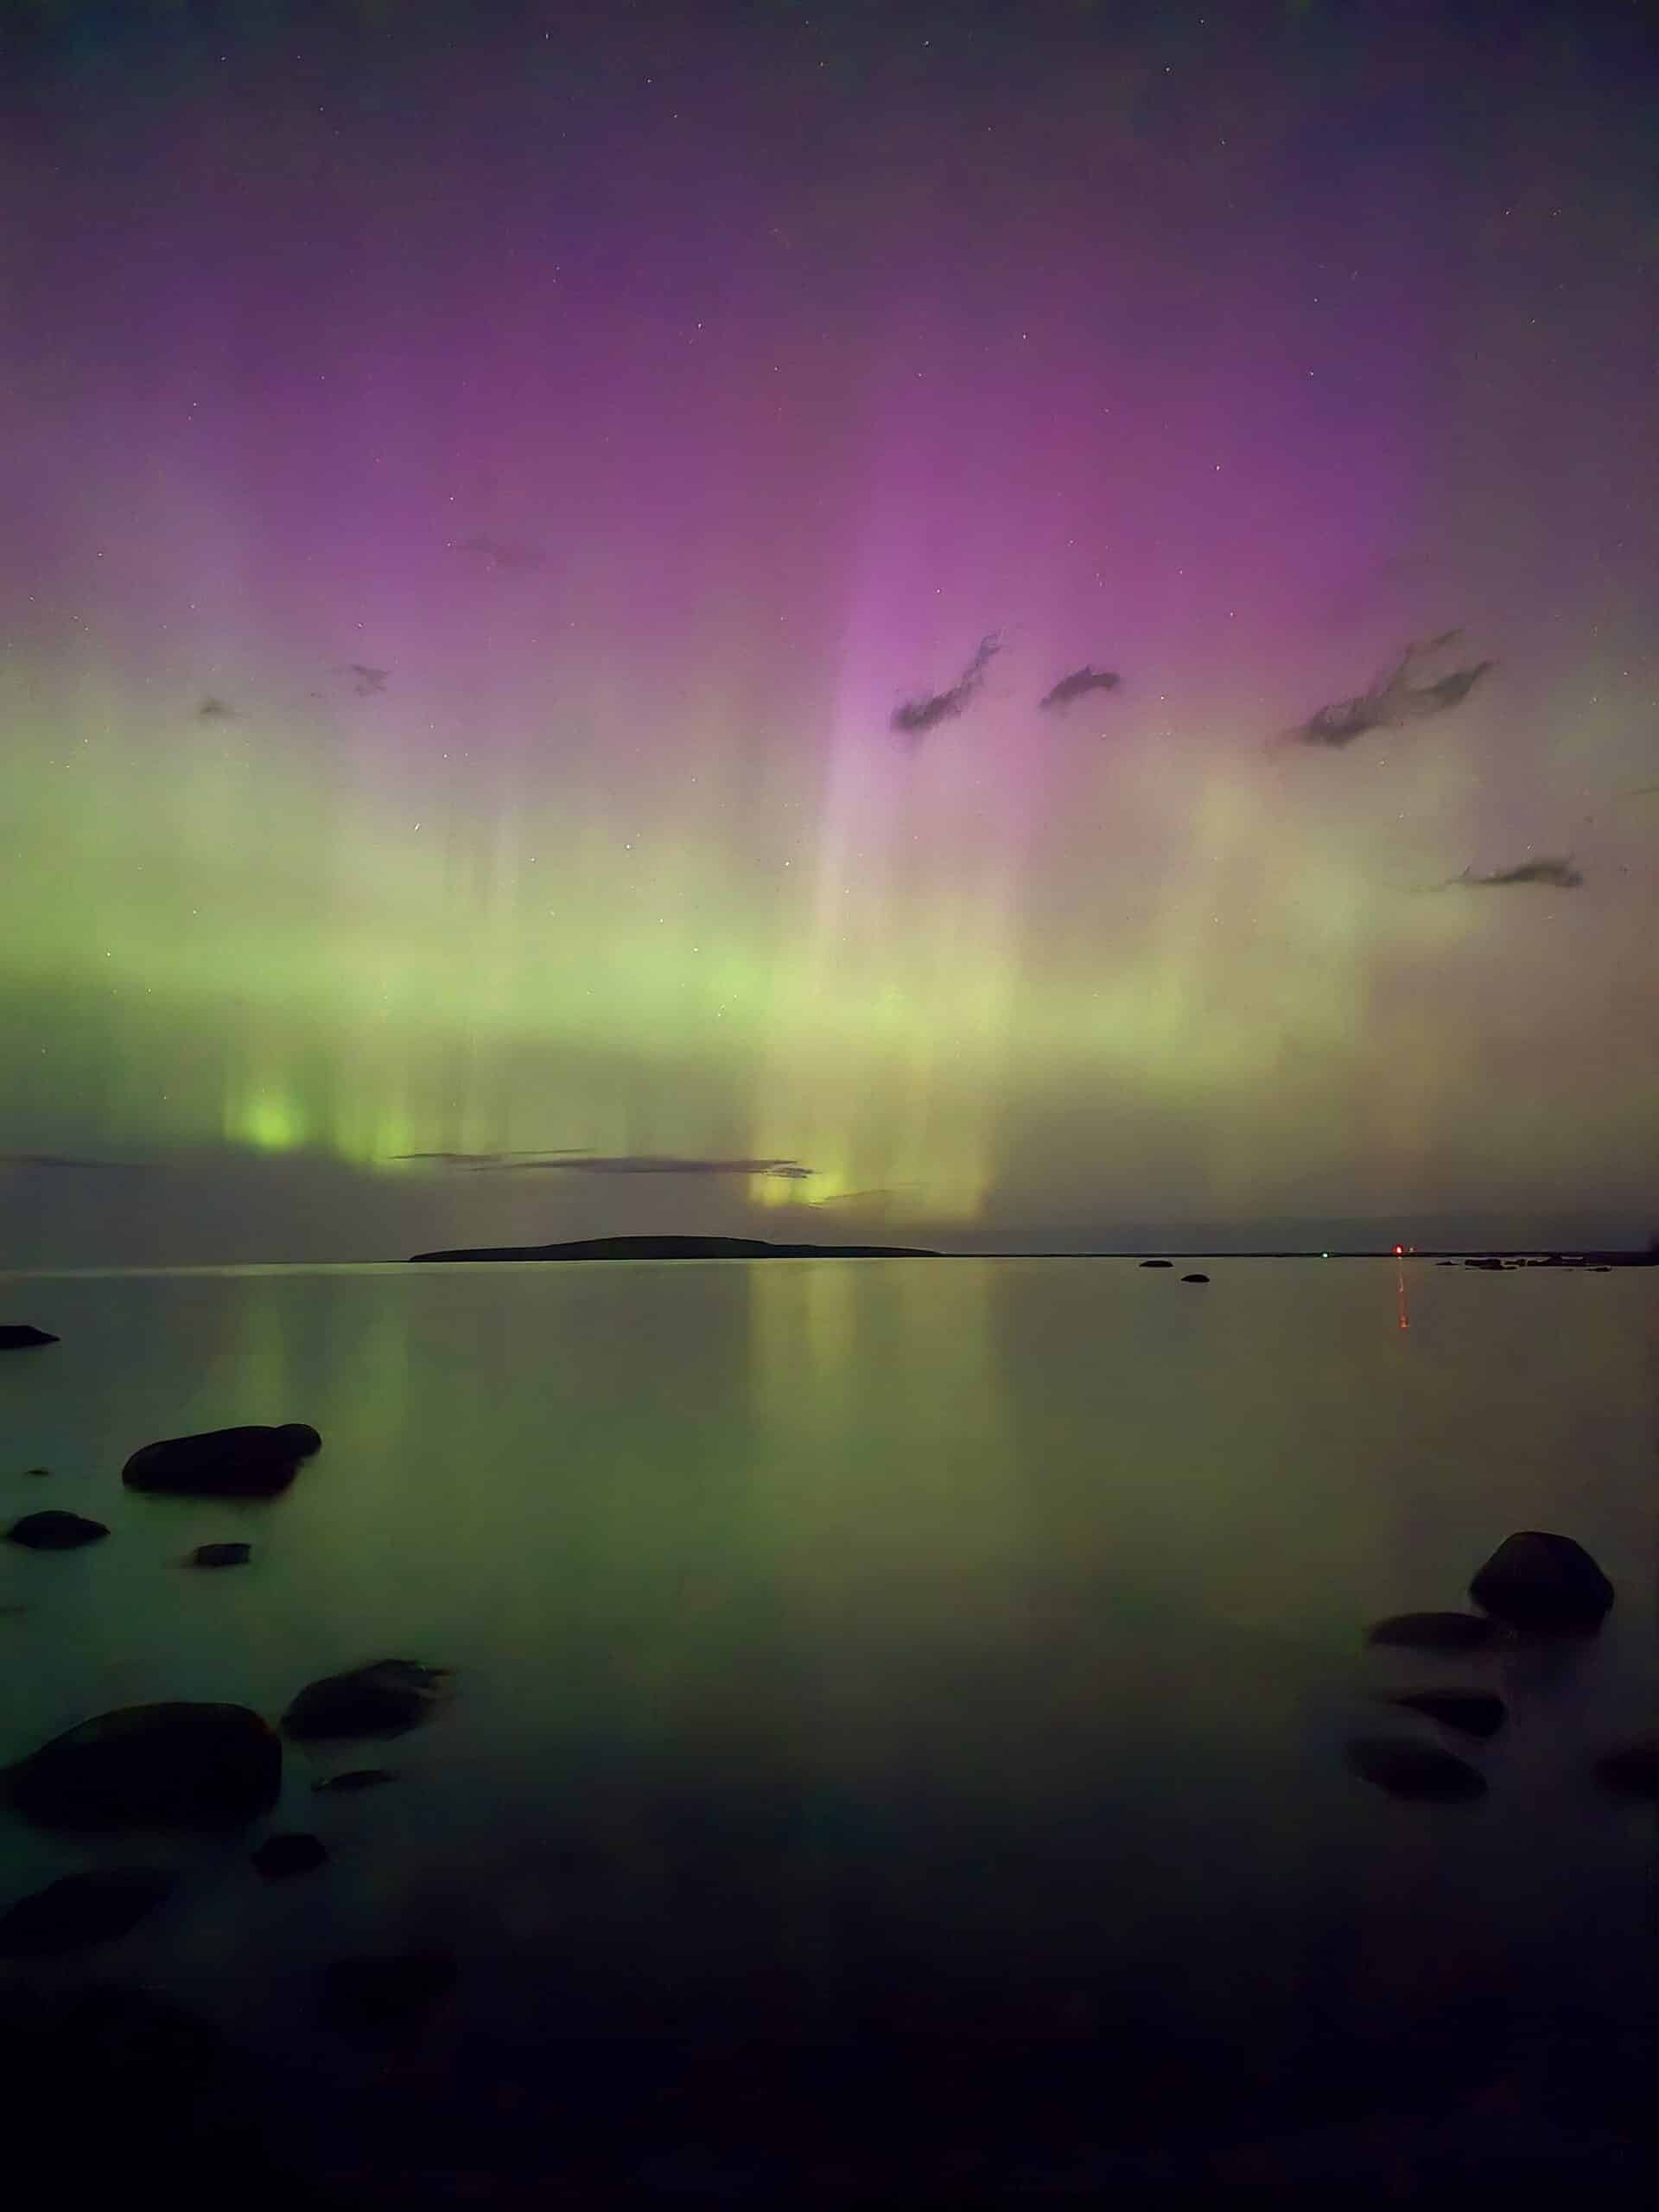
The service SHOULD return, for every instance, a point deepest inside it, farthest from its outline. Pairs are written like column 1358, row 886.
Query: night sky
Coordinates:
column 562, row 569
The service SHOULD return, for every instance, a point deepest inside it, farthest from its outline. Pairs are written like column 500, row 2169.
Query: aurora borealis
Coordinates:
column 479, row 485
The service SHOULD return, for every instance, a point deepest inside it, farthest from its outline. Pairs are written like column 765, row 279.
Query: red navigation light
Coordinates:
column 1399, row 1251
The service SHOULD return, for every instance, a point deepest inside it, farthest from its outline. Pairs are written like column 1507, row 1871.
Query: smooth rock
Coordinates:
column 386, row 1699
column 1437, row 1631
column 1476, row 1712
column 223, row 1462
column 369, row 1996
column 1417, row 1770
column 221, row 1556
column 358, row 1777
column 279, row 1856
column 81, row 1909
column 165, row 1766
column 18, row 1335
column 1195, row 1278
column 1157, row 1263
column 53, row 1531
column 1632, row 1770
column 1544, row 1584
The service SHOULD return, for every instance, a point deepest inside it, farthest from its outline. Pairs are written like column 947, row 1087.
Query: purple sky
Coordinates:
column 475, row 485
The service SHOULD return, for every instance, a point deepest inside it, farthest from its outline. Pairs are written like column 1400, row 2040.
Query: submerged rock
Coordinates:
column 1157, row 1263
column 18, row 1335
column 369, row 1996
column 53, row 1531
column 1476, row 1713
column 81, row 1909
column 387, row 1699
column 358, row 1777
column 220, row 1555
column 223, row 1462
column 1417, row 1770
column 1195, row 1278
column 1437, row 1631
column 37, row 1471
column 279, row 1856
column 1543, row 1583
column 164, row 1766
column 1632, row 1770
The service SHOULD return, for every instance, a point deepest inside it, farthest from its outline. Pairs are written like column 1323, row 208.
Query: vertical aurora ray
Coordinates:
column 452, row 611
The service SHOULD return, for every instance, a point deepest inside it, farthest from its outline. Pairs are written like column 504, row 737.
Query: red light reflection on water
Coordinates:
column 1400, row 1287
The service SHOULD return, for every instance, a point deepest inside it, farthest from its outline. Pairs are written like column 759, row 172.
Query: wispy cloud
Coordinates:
column 490, row 1158
column 1560, row 873
column 915, row 717
column 1078, row 685
column 366, row 682
column 215, row 710
column 59, row 1162
column 1394, row 701
column 574, row 1160
column 642, row 1163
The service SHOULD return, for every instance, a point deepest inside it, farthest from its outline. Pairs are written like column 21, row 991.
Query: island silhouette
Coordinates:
column 680, row 1247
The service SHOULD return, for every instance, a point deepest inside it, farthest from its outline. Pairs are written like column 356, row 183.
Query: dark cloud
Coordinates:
column 915, row 717
column 58, row 1161
column 1078, row 685
column 365, row 681
column 515, row 556
column 215, row 710
column 643, row 1163
column 577, row 1160
column 1560, row 873
column 1393, row 700
column 490, row 1158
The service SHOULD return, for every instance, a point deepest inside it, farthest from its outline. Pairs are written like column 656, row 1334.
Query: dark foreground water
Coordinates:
column 896, row 1742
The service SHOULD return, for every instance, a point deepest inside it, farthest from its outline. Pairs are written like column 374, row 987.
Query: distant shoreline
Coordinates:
column 748, row 1248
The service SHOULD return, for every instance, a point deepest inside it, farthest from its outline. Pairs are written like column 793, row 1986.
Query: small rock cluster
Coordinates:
column 205, row 1768
column 1534, row 1584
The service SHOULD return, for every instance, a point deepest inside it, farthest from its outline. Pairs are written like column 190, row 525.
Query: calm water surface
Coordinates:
column 867, row 1647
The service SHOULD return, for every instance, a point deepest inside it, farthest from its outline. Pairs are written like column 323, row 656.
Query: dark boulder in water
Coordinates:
column 163, row 1766
column 370, row 1997
column 1632, row 1770
column 223, row 1462
column 220, row 1555
column 1157, row 1263
column 18, row 1335
column 1476, row 1713
column 386, row 1699
column 1195, row 1278
column 1543, row 1583
column 358, row 1777
column 1437, row 1631
column 81, row 1909
column 53, row 1531
column 1417, row 1770
column 279, row 1856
